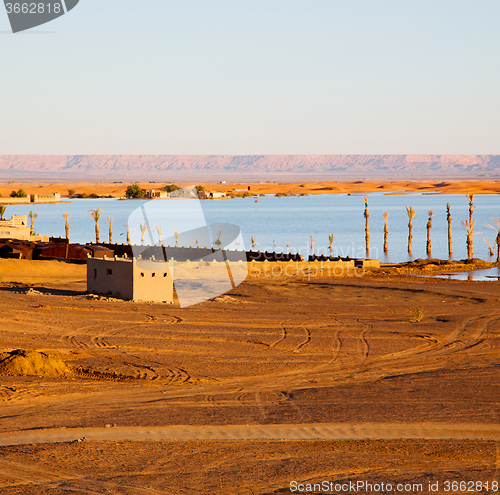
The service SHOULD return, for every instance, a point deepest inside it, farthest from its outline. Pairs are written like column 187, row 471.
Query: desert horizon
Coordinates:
column 117, row 188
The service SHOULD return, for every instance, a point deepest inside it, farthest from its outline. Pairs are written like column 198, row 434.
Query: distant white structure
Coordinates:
column 152, row 194
column 17, row 228
column 216, row 195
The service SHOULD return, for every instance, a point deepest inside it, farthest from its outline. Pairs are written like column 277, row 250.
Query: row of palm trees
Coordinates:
column 468, row 224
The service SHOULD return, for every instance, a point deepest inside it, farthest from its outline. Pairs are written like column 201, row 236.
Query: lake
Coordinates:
column 287, row 223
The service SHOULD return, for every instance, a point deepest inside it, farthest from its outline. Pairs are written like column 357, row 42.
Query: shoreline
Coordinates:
column 251, row 188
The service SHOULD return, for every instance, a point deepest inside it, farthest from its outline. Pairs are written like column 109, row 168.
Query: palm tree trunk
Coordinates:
column 367, row 228
column 450, row 240
column 386, row 233
column 429, row 227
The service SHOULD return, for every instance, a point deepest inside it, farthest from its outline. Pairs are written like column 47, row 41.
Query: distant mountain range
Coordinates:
column 257, row 166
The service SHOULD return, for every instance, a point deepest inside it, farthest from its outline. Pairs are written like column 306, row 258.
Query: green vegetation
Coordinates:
column 200, row 189
column 135, row 191
column 172, row 187
column 71, row 192
column 18, row 194
column 418, row 314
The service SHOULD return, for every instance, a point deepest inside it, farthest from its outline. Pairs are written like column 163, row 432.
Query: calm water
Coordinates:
column 286, row 224
column 487, row 275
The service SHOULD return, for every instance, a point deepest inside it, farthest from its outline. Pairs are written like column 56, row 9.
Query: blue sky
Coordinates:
column 254, row 77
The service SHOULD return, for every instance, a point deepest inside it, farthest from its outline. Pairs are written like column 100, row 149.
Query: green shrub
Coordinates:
column 18, row 194
column 171, row 188
column 135, row 191
column 418, row 314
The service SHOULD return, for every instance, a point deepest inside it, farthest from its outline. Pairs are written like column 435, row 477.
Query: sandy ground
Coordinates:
column 356, row 187
column 312, row 380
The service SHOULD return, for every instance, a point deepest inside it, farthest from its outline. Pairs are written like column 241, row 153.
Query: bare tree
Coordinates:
column 66, row 217
column 469, row 225
column 159, row 229
column 144, row 229
column 330, row 239
column 496, row 227
column 312, row 242
column 33, row 216
column 96, row 215
column 450, row 240
column 489, row 245
column 127, row 226
column 410, row 213
column 429, row 227
column 110, row 221
column 386, row 232
column 367, row 227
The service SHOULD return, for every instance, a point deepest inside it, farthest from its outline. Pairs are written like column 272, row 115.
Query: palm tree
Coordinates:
column 2, row 211
column 127, row 226
column 489, row 245
column 217, row 242
column 469, row 225
column 450, row 240
column 367, row 228
column 144, row 229
column 66, row 217
column 496, row 221
column 159, row 229
column 331, row 239
column 410, row 213
column 110, row 221
column 33, row 216
column 312, row 242
column 96, row 215
column 429, row 227
column 386, row 232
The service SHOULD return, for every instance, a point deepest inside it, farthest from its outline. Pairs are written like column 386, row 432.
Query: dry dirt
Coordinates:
column 321, row 379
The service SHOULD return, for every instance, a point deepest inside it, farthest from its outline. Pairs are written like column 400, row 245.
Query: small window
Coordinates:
column 95, row 273
column 110, row 272
column 164, row 274
column 153, row 274
column 142, row 274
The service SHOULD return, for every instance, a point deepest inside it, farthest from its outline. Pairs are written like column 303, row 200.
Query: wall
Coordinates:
column 157, row 288
column 119, row 284
column 130, row 279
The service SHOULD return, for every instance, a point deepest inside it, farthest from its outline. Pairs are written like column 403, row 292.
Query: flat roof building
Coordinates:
column 130, row 278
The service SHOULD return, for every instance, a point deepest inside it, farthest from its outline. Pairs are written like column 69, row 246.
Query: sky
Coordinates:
column 254, row 77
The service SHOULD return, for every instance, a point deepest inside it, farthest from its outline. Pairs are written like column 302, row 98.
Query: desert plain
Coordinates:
column 301, row 379
column 117, row 188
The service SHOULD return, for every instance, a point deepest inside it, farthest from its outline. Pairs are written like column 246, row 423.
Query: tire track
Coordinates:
column 282, row 338
column 79, row 482
column 306, row 341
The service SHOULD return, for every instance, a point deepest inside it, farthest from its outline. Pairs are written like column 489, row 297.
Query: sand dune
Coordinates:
column 356, row 187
